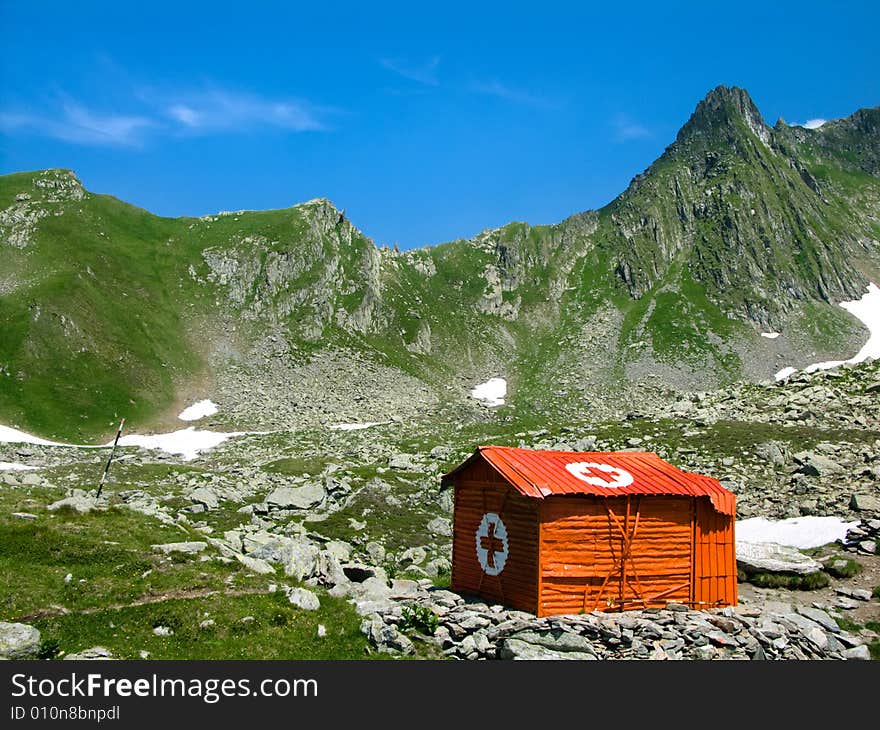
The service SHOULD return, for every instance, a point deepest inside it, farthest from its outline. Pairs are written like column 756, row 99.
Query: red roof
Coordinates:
column 541, row 474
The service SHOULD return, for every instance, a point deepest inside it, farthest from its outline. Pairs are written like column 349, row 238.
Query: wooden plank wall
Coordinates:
column 714, row 557
column 582, row 564
column 517, row 585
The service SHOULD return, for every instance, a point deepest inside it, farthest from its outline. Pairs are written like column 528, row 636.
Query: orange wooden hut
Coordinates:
column 563, row 532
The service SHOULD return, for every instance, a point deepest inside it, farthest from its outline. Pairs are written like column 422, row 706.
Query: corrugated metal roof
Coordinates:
column 541, row 474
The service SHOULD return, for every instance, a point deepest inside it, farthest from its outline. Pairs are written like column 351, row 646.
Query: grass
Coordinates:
column 120, row 589
column 847, row 624
column 262, row 626
column 841, row 566
column 793, row 582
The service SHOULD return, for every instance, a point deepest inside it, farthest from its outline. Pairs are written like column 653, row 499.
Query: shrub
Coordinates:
column 49, row 649
column 421, row 619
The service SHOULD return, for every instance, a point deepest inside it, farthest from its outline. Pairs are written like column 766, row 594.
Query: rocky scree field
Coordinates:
column 337, row 543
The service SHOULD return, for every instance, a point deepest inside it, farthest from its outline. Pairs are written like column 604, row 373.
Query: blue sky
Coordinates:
column 425, row 125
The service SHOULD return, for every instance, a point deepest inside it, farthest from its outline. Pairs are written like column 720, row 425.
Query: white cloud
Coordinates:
column 218, row 110
column 813, row 123
column 80, row 125
column 211, row 111
column 626, row 129
column 502, row 91
column 425, row 73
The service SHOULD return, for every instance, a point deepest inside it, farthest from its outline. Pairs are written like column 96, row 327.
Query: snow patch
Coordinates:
column 770, row 335
column 14, row 436
column 867, row 311
column 785, row 372
column 187, row 442
column 814, row 123
column 199, row 410
column 12, row 466
column 492, row 392
column 356, row 426
column 797, row 532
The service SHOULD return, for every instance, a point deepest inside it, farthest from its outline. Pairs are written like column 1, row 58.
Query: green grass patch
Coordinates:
column 790, row 581
column 298, row 465
column 841, row 566
column 847, row 624
column 260, row 626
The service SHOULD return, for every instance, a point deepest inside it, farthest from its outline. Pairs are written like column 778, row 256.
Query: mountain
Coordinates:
column 294, row 318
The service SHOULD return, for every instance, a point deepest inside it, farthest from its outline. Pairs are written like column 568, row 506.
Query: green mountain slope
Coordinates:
column 294, row 318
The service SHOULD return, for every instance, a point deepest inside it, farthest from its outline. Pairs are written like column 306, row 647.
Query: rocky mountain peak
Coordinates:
column 720, row 117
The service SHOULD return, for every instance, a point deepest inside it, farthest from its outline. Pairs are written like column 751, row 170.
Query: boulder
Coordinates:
column 772, row 452
column 403, row 461
column 80, row 501
column 303, row 598
column 18, row 641
column 187, row 548
column 303, row 497
column 255, row 564
column 301, row 559
column 857, row 652
column 817, row 465
column 206, row 497
column 864, row 503
column 376, row 552
column 412, row 556
column 440, row 526
column 768, row 557
column 519, row 649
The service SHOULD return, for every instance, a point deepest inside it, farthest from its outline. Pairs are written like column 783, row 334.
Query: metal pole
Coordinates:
column 112, row 452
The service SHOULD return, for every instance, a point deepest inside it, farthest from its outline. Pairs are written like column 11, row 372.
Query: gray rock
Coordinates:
column 188, row 548
column 441, row 453
column 440, row 526
column 820, row 617
column 868, row 546
column 857, row 652
column 376, row 552
column 772, row 451
column 864, row 503
column 303, row 598
column 18, row 641
column 80, row 501
column 386, row 638
column 93, row 654
column 301, row 559
column 255, row 565
column 372, row 589
column 438, row 566
column 446, row 501
column 755, row 557
column 304, row 497
column 412, row 556
column 817, row 465
column 406, row 462
column 339, row 549
column 206, row 497
column 512, row 648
